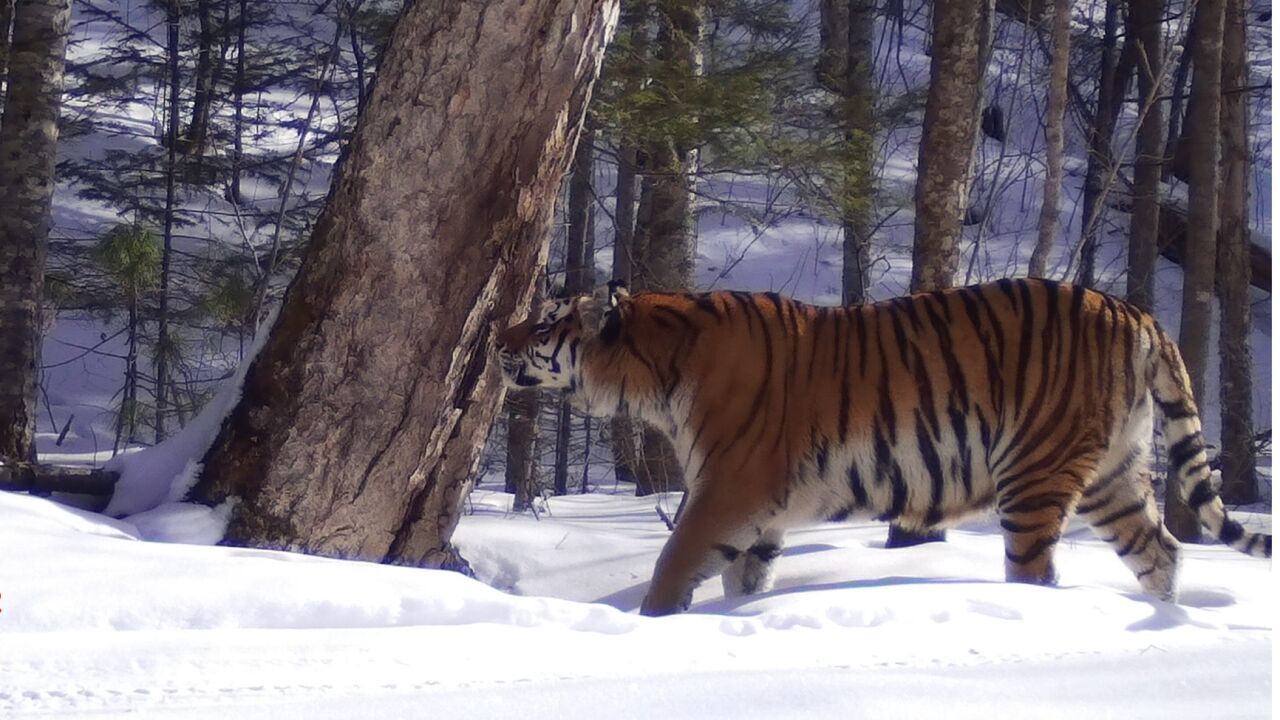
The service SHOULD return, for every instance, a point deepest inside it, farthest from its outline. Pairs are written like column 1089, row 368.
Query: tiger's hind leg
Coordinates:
column 1121, row 509
column 753, row 571
column 1033, row 512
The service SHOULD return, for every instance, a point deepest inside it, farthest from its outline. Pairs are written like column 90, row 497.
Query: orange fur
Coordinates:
column 1030, row 395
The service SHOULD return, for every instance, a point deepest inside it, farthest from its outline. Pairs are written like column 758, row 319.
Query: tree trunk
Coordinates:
column 1113, row 79
column 846, row 67
column 564, row 433
column 621, row 433
column 1239, row 479
column 237, row 159
column 198, row 129
column 1176, row 103
column 951, row 118
column 28, row 147
column 163, row 344
column 522, row 428
column 668, row 247
column 961, row 32
column 6, row 24
column 363, row 415
column 1053, row 138
column 1144, row 24
column 1202, row 228
column 579, row 274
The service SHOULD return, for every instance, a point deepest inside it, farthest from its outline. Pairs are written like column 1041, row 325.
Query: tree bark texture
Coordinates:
column 1202, row 227
column 951, row 118
column 1144, row 24
column 1239, row 478
column 1055, row 118
column 28, row 147
column 363, row 415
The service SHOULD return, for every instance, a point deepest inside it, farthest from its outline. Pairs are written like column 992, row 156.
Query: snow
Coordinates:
column 93, row 620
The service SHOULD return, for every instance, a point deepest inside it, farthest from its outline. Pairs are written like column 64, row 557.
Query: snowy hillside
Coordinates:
column 93, row 621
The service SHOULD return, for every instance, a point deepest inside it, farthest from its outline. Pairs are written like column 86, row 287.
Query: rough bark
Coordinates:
column 1202, row 227
column 1239, row 479
column 1176, row 103
column 1055, row 117
column 1144, row 24
column 363, row 415
column 28, row 145
column 951, row 117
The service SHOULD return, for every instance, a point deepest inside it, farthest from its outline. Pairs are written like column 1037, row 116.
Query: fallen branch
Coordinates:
column 41, row 479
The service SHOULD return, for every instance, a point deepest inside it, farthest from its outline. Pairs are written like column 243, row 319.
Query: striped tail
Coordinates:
column 1188, row 463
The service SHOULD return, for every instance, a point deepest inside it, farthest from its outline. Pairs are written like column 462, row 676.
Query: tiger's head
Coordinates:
column 546, row 350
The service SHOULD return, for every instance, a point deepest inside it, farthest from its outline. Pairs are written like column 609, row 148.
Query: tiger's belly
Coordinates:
column 905, row 488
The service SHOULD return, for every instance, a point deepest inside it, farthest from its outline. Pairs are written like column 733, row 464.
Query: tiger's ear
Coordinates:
column 606, row 305
column 617, row 292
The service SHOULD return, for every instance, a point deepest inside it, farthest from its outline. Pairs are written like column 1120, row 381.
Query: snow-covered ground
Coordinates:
column 94, row 621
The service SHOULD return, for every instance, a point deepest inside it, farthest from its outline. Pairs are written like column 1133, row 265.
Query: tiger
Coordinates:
column 1031, row 396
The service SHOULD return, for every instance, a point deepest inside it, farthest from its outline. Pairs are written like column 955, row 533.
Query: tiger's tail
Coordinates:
column 1188, row 463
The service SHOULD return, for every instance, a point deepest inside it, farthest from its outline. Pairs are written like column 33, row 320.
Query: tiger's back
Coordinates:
column 1034, row 396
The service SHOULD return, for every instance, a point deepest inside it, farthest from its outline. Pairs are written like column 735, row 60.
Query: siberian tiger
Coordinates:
column 1029, row 395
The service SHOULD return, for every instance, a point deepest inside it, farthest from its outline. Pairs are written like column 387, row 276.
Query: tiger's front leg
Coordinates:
column 709, row 537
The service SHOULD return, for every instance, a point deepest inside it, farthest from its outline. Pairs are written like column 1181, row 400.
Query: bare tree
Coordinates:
column 363, row 415
column 28, row 145
column 1239, row 479
column 1055, row 116
column 1113, row 79
column 1203, row 140
column 1145, row 27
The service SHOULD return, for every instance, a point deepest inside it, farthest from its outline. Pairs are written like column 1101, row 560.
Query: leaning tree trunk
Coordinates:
column 1239, row 479
column 1144, row 23
column 961, row 29
column 1055, row 120
column 363, row 415
column 28, row 145
column 951, row 116
column 1202, row 229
